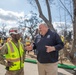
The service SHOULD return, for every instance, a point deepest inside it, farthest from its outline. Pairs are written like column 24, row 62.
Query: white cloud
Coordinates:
column 9, row 18
column 10, row 15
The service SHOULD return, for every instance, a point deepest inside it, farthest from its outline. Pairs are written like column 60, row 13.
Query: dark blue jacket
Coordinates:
column 50, row 39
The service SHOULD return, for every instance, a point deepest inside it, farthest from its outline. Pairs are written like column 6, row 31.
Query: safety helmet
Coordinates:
column 14, row 30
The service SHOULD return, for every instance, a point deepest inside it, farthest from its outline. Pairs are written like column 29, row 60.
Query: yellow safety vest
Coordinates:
column 0, row 41
column 62, row 38
column 15, row 55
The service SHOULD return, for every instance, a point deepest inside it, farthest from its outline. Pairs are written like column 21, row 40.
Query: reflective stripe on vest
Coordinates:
column 11, row 47
column 15, row 55
column 14, row 60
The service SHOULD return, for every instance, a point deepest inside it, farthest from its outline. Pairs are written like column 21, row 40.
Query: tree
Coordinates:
column 41, row 15
column 73, row 51
column 66, row 12
column 3, row 30
column 31, row 24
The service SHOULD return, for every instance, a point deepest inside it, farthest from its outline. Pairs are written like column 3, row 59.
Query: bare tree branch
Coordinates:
column 40, row 11
column 49, row 11
column 66, row 9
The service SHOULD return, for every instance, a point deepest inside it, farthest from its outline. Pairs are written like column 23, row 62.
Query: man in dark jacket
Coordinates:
column 47, row 44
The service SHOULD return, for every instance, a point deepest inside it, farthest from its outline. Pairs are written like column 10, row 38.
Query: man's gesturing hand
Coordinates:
column 30, row 47
column 50, row 48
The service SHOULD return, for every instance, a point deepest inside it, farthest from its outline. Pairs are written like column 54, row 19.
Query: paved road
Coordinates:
column 31, row 69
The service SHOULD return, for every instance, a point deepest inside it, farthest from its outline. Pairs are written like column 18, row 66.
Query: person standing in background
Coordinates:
column 27, row 41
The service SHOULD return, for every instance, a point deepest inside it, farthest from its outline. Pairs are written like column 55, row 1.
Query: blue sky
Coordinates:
column 15, row 5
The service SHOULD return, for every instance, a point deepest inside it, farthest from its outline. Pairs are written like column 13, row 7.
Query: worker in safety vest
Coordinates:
column 62, row 38
column 12, row 54
column 27, row 42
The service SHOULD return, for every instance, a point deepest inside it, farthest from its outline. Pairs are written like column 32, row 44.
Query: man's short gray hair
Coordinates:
column 43, row 24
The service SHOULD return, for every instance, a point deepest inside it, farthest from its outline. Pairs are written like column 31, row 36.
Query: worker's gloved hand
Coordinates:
column 9, row 63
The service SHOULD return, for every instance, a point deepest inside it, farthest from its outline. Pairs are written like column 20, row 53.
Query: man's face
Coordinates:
column 43, row 29
column 16, row 36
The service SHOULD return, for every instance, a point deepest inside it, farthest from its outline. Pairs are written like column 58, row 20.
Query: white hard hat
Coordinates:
column 14, row 30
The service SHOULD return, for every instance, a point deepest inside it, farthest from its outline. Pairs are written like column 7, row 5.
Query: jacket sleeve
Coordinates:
column 34, row 46
column 3, row 51
column 59, row 44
